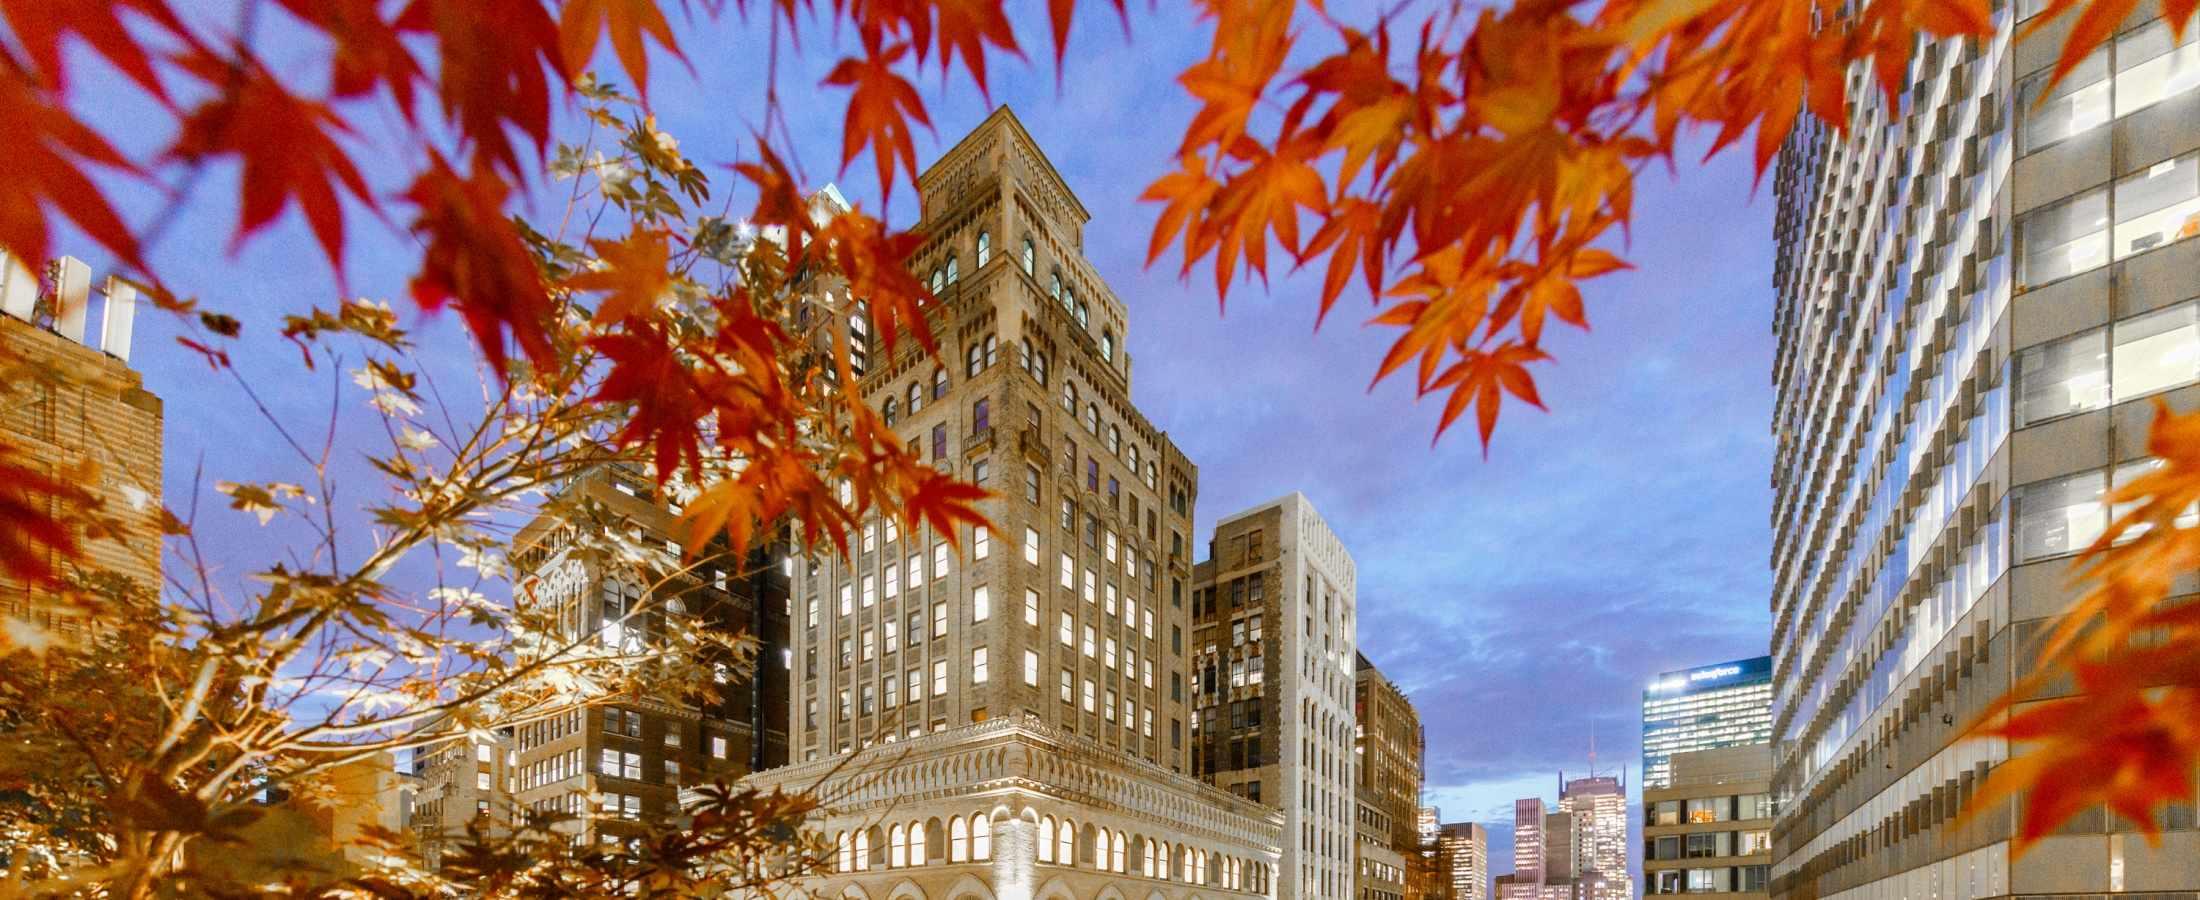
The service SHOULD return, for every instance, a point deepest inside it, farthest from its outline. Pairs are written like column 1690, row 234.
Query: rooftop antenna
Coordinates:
column 1592, row 747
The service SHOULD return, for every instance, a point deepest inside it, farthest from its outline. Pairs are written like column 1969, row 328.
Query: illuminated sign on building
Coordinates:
column 1719, row 705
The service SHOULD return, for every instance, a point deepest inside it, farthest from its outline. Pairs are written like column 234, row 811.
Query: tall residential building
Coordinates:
column 1978, row 298
column 71, row 407
column 1274, row 652
column 1463, row 849
column 1720, row 705
column 1387, row 749
column 1709, row 829
column 633, row 755
column 1006, row 715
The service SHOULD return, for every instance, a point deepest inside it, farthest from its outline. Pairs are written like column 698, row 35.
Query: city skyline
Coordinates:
column 1687, row 521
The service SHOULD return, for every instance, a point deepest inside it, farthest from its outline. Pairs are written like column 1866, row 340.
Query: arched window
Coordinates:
column 892, row 405
column 1054, row 285
column 1023, row 354
column 1092, row 418
column 971, row 359
column 992, row 350
column 1134, row 457
column 1162, row 871
column 1115, row 440
column 939, row 382
column 1065, row 839
column 846, row 858
column 1149, row 862
column 916, row 398
column 916, row 843
column 939, row 280
column 981, row 837
column 954, row 270
column 1069, row 397
column 1117, row 851
column 1028, row 256
column 1107, row 345
column 1084, row 315
column 1069, row 300
column 1046, row 839
column 897, row 847
column 1153, row 476
column 1100, row 849
column 985, row 248
column 1039, row 368
column 863, row 849
column 958, row 840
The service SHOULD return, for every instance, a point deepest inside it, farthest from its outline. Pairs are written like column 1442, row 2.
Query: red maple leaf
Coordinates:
column 491, row 70
column 368, row 48
column 288, row 150
column 476, row 258
column 41, row 24
column 581, row 22
column 881, row 104
column 47, row 148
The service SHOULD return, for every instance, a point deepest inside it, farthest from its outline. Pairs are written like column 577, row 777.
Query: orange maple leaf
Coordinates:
column 1267, row 195
column 875, row 262
column 1482, row 379
column 490, row 70
column 582, row 22
column 881, row 104
column 634, row 275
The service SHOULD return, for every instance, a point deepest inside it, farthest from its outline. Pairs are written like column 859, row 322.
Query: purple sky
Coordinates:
column 1521, row 601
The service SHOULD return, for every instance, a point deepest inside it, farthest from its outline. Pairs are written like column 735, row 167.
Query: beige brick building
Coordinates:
column 1709, row 830
column 1021, row 691
column 66, row 401
column 1387, row 747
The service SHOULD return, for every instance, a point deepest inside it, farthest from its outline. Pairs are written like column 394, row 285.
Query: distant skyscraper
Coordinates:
column 1576, row 852
column 1720, row 705
column 1464, row 849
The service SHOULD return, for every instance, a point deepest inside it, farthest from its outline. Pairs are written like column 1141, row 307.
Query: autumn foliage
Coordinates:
column 1463, row 169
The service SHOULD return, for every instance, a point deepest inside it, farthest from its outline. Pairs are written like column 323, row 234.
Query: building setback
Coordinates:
column 1979, row 296
column 1720, row 705
column 1709, row 830
column 1005, row 715
column 1274, row 615
column 68, row 402
column 1388, row 744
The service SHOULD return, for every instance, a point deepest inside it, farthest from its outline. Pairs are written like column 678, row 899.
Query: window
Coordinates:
column 2059, row 516
column 916, row 398
column 2152, row 65
column 893, row 691
column 1031, row 607
column 981, row 604
column 1027, row 256
column 916, row 628
column 1089, row 643
column 891, row 406
column 985, row 248
column 958, row 840
column 1090, row 696
column 2076, row 105
column 954, row 270
column 2156, row 351
column 897, row 843
column 2158, row 206
column 940, row 560
column 972, row 360
column 1092, row 418
column 939, row 678
column 1069, row 572
column 916, row 570
column 1092, row 474
column 916, row 844
column 981, row 416
column 1054, row 285
column 1031, row 545
column 981, row 837
column 939, row 442
column 981, row 542
column 939, row 620
column 1107, row 341
column 870, row 591
column 915, row 680
column 939, row 279
column 1065, row 843
column 939, row 382
column 1702, row 845
column 1031, row 483
column 977, row 665
column 1756, row 842
column 1031, row 669
column 2058, row 241
column 870, row 644
column 1068, row 692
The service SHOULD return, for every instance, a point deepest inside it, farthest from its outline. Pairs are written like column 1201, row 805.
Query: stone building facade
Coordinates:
column 1010, row 707
column 1015, row 809
column 66, row 401
column 1274, row 667
column 1979, row 297
column 1708, row 830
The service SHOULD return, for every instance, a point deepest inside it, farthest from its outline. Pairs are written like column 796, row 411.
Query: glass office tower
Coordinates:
column 1720, row 705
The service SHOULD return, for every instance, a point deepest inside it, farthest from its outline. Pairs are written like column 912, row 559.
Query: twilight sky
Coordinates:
column 1521, row 601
